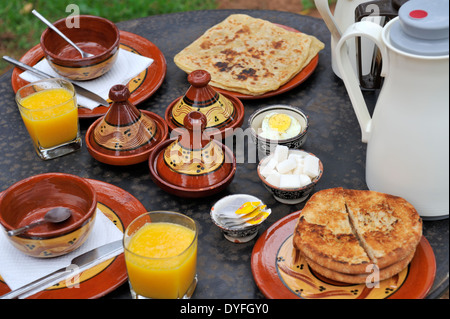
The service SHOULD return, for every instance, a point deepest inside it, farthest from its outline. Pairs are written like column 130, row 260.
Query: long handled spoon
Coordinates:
column 51, row 26
column 55, row 215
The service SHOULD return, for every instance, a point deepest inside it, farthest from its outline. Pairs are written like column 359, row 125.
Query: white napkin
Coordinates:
column 18, row 269
column 127, row 66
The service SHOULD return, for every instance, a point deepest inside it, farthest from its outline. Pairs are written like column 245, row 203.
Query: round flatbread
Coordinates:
column 388, row 227
column 346, row 230
column 249, row 55
column 381, row 274
column 324, row 234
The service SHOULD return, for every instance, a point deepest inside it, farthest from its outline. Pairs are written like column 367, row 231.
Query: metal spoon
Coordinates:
column 55, row 215
column 51, row 26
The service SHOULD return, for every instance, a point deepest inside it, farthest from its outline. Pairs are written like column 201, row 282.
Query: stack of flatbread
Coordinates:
column 249, row 55
column 343, row 233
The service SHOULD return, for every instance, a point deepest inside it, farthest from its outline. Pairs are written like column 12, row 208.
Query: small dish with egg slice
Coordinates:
column 278, row 125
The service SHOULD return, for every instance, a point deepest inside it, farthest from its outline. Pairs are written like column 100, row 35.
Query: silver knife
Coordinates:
column 77, row 265
column 80, row 90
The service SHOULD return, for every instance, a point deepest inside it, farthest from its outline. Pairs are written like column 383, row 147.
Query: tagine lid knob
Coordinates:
column 195, row 123
column 124, row 130
column 200, row 78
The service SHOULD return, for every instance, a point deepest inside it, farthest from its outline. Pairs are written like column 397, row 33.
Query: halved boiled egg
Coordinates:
column 279, row 126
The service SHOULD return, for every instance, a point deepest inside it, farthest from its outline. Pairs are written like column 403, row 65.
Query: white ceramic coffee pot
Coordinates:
column 408, row 133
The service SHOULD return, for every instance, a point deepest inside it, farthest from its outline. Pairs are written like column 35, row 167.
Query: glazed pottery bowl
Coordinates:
column 28, row 200
column 289, row 195
column 265, row 145
column 233, row 234
column 94, row 35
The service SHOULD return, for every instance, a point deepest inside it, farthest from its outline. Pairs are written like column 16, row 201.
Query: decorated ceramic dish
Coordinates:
column 28, row 200
column 125, row 135
column 223, row 112
column 281, row 273
column 292, row 194
column 192, row 165
column 121, row 208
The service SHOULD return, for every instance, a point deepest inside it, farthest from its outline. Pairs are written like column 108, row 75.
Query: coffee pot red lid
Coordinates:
column 422, row 28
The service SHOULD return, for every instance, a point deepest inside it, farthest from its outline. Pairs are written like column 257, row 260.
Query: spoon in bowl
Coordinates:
column 51, row 26
column 55, row 215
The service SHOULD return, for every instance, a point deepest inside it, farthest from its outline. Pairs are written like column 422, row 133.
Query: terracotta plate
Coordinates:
column 121, row 207
column 281, row 274
column 141, row 87
column 294, row 82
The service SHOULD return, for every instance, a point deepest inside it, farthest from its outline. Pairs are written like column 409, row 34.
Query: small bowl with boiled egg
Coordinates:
column 290, row 175
column 278, row 125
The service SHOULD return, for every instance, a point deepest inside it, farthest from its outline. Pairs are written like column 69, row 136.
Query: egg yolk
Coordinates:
column 280, row 122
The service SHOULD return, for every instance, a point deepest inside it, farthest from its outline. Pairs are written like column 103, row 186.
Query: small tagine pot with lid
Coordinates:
column 224, row 112
column 192, row 164
column 125, row 135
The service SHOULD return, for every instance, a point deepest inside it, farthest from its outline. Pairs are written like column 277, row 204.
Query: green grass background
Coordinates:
column 20, row 29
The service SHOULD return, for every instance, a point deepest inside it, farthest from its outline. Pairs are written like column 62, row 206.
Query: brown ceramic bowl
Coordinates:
column 95, row 35
column 28, row 200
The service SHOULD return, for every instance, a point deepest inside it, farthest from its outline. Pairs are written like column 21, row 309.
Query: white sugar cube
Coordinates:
column 269, row 167
column 287, row 165
column 304, row 180
column 281, row 153
column 304, row 154
column 300, row 153
column 274, row 179
column 297, row 157
column 298, row 169
column 311, row 167
column 268, row 172
column 289, row 181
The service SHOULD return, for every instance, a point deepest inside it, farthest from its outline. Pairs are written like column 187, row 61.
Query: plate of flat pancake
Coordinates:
column 252, row 58
column 322, row 252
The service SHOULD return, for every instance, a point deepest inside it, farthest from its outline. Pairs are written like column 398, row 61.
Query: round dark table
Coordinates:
column 224, row 269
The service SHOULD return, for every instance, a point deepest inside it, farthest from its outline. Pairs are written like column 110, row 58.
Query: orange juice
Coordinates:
column 50, row 116
column 161, row 260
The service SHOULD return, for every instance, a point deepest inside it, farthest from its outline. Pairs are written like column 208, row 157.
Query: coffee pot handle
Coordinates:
column 324, row 9
column 373, row 32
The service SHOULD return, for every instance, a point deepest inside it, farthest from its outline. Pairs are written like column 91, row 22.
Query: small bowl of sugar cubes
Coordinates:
column 290, row 174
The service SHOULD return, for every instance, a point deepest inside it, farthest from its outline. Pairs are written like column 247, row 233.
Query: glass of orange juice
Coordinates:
column 49, row 111
column 160, row 250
